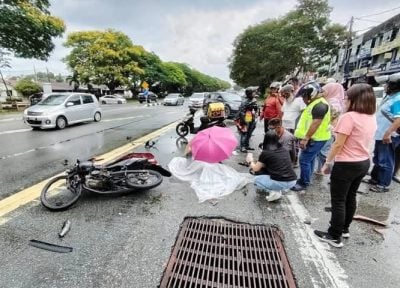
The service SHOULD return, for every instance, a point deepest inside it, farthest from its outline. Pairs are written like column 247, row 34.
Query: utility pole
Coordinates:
column 346, row 58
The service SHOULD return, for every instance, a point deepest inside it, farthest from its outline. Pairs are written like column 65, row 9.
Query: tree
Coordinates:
column 27, row 28
column 74, row 79
column 104, row 57
column 174, row 80
column 4, row 63
column 27, row 87
column 303, row 39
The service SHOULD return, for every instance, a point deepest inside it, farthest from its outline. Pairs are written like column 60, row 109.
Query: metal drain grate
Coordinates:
column 221, row 253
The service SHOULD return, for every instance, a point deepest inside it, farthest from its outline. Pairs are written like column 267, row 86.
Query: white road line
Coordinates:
column 315, row 252
column 15, row 131
column 10, row 119
column 125, row 118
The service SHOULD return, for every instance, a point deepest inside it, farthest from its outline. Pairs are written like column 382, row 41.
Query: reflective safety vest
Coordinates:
column 323, row 132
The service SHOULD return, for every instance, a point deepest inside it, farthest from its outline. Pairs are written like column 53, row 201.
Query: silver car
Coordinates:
column 58, row 110
column 196, row 100
column 112, row 99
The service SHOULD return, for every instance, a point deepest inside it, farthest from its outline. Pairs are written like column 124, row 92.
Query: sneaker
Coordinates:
column 346, row 233
column 378, row 189
column 249, row 149
column 326, row 237
column 273, row 196
column 298, row 188
column 369, row 181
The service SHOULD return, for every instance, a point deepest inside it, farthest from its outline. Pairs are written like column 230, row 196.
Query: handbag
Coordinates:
column 384, row 113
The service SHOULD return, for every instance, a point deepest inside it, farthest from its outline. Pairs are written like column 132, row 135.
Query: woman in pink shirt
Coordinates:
column 348, row 160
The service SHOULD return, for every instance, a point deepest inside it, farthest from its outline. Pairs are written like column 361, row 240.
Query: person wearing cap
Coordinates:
column 272, row 107
column 387, row 137
column 312, row 130
column 291, row 108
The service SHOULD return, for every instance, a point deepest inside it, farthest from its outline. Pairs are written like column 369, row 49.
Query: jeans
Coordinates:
column 345, row 180
column 321, row 157
column 384, row 161
column 266, row 183
column 245, row 136
column 307, row 159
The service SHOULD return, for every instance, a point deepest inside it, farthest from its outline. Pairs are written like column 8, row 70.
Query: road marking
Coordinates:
column 125, row 118
column 27, row 195
column 10, row 119
column 16, row 131
column 314, row 251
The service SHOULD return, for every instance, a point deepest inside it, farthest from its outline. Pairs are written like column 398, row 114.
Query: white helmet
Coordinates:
column 275, row 84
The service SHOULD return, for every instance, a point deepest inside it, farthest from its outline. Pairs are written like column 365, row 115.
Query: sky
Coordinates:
column 197, row 32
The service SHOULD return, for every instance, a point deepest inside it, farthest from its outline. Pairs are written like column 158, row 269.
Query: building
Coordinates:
column 376, row 52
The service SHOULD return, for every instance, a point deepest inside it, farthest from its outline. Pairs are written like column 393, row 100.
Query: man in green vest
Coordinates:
column 313, row 131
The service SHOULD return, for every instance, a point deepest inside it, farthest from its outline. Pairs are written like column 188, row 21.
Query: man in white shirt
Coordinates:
column 292, row 107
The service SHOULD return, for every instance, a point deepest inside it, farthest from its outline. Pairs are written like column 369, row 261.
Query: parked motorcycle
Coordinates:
column 135, row 171
column 187, row 124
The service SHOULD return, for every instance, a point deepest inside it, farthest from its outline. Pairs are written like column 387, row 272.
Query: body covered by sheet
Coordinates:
column 209, row 180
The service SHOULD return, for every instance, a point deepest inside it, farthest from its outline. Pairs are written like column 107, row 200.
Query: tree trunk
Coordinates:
column 5, row 85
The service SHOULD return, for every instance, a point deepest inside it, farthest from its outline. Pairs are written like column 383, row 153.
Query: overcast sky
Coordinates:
column 197, row 32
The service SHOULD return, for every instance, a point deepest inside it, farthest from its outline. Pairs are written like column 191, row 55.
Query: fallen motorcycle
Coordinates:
column 132, row 172
column 186, row 126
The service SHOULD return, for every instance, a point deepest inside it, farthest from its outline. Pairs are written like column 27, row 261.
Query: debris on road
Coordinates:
column 370, row 220
column 380, row 232
column 50, row 246
column 65, row 228
column 307, row 220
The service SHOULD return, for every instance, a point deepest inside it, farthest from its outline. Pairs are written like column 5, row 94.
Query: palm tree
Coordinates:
column 74, row 78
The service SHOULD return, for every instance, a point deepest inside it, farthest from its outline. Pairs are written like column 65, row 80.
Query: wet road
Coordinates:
column 126, row 241
column 31, row 156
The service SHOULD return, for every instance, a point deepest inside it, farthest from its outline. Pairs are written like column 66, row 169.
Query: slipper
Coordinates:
column 319, row 173
column 396, row 179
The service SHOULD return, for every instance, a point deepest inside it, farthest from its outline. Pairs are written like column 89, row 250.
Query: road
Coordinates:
column 126, row 241
column 31, row 155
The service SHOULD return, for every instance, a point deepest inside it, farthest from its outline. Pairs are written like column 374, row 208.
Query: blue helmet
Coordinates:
column 309, row 90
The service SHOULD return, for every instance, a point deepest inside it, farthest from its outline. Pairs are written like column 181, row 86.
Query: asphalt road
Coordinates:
column 126, row 241
column 32, row 155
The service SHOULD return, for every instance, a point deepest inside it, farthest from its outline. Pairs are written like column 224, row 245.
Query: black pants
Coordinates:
column 345, row 180
column 266, row 122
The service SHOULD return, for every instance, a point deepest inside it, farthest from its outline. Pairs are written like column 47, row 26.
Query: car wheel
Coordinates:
column 61, row 122
column 35, row 128
column 140, row 102
column 103, row 102
column 97, row 117
column 119, row 102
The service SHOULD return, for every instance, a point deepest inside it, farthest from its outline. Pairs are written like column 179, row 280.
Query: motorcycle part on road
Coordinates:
column 49, row 246
column 65, row 228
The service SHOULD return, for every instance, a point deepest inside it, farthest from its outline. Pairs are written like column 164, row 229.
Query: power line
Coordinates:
column 374, row 21
column 383, row 12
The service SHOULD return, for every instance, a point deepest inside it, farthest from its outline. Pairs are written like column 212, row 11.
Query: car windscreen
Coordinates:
column 197, row 96
column 172, row 96
column 231, row 97
column 53, row 100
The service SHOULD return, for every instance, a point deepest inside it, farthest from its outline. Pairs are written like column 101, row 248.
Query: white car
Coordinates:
column 58, row 110
column 112, row 99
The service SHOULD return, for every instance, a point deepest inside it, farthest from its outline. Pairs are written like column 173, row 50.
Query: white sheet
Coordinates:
column 208, row 180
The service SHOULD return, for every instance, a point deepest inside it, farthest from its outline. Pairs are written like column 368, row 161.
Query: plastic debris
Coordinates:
column 65, row 228
column 370, row 220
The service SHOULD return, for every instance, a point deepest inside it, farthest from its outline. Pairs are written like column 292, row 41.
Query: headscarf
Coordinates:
column 334, row 94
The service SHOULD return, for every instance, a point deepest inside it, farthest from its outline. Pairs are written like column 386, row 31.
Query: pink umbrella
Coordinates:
column 213, row 144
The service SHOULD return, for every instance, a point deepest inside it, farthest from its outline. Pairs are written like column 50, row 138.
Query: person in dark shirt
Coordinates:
column 274, row 171
column 246, row 119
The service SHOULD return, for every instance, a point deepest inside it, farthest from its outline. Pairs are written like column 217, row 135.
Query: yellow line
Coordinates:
column 27, row 195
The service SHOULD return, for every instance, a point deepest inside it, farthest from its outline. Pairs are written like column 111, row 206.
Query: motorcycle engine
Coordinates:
column 96, row 180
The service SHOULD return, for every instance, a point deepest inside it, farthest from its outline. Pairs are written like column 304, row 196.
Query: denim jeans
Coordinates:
column 345, row 180
column 307, row 160
column 266, row 183
column 245, row 136
column 384, row 161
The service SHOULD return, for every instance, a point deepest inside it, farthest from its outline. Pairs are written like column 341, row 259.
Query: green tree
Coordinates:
column 27, row 29
column 4, row 63
column 301, row 40
column 27, row 87
column 74, row 80
column 174, row 78
column 104, row 57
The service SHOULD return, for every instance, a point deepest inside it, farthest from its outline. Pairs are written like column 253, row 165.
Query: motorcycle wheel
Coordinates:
column 143, row 179
column 182, row 129
column 59, row 195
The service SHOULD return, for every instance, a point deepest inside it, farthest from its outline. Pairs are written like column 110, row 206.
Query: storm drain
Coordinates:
column 221, row 253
